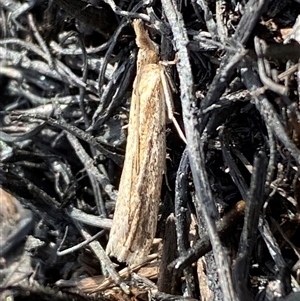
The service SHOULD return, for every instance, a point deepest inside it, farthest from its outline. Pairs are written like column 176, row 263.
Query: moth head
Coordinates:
column 143, row 40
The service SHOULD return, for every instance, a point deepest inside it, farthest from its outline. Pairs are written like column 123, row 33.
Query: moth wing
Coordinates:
column 139, row 193
column 121, row 220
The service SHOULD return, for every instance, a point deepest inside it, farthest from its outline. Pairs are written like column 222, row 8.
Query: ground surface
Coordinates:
column 228, row 222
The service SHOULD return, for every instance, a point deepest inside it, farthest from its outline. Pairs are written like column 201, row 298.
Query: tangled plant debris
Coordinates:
column 228, row 220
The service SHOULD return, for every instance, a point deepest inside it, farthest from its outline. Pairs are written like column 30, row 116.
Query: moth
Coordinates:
column 135, row 217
